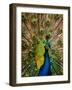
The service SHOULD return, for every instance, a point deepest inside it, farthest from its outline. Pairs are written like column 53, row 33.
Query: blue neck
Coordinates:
column 45, row 70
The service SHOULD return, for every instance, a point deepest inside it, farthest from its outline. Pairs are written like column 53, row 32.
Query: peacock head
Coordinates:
column 47, row 37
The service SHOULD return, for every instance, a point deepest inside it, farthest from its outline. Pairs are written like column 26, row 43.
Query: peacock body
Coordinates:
column 42, row 58
column 39, row 54
column 45, row 70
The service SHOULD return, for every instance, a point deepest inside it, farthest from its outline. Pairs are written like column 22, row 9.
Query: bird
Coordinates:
column 42, row 58
column 45, row 70
column 39, row 54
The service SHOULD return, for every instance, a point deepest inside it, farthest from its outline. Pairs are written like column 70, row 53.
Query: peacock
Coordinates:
column 42, row 57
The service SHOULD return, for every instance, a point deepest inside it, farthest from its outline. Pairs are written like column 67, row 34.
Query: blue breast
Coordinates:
column 45, row 70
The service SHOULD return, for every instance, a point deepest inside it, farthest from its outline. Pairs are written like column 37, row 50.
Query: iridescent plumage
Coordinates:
column 42, row 57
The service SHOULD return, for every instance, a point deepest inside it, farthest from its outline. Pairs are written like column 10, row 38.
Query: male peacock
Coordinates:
column 46, row 67
column 42, row 58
